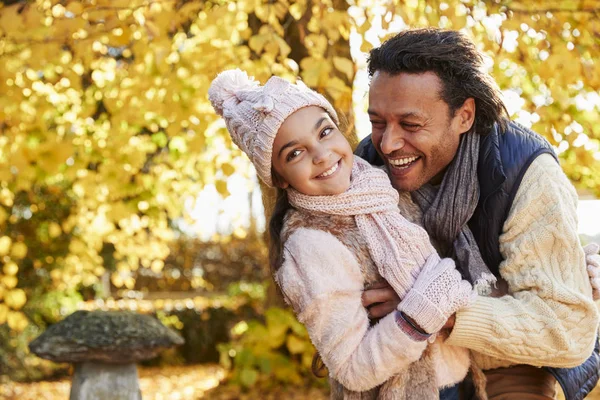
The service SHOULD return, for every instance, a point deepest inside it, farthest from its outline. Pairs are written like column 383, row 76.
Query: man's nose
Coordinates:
column 391, row 140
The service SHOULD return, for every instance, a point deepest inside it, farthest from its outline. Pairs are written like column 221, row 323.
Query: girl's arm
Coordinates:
column 322, row 281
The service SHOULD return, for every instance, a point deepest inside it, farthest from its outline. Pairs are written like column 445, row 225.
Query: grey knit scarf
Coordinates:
column 448, row 208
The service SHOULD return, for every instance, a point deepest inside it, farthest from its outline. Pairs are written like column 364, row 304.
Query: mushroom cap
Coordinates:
column 114, row 337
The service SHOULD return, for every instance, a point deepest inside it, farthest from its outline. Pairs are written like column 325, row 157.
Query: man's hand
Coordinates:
column 380, row 300
column 450, row 323
column 592, row 259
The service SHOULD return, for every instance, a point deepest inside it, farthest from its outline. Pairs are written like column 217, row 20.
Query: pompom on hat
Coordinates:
column 254, row 113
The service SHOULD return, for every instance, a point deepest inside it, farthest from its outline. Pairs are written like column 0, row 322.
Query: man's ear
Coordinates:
column 465, row 115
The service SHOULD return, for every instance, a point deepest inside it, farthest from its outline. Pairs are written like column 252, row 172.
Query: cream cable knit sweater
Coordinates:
column 548, row 316
column 323, row 282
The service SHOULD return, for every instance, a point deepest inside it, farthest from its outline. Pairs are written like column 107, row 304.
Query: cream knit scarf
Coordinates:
column 395, row 244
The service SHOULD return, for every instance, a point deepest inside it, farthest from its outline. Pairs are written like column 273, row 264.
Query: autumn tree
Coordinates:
column 106, row 127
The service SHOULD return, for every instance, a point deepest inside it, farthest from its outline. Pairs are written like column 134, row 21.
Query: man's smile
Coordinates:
column 404, row 162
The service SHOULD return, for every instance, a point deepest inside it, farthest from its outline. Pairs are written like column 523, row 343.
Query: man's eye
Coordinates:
column 411, row 127
column 377, row 124
column 292, row 154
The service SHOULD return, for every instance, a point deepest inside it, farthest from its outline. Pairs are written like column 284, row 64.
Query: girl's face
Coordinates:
column 311, row 155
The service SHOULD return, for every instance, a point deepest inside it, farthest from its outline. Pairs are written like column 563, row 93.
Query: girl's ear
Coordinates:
column 278, row 180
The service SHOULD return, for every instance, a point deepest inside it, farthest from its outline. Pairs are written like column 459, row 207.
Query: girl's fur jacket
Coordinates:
column 439, row 366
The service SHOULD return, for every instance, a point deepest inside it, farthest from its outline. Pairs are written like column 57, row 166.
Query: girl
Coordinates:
column 336, row 229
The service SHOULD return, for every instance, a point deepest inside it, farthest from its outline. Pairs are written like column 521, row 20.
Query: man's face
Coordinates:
column 412, row 128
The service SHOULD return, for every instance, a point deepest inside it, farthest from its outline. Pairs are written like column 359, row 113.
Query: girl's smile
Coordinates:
column 311, row 155
column 330, row 171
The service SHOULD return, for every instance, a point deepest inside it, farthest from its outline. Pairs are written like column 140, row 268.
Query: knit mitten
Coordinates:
column 592, row 260
column 438, row 292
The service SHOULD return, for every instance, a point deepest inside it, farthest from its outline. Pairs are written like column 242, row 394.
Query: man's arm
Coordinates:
column 548, row 318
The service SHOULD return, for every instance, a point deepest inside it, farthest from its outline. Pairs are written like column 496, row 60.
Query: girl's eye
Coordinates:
column 326, row 132
column 292, row 154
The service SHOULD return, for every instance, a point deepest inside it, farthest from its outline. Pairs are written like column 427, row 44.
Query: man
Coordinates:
column 495, row 199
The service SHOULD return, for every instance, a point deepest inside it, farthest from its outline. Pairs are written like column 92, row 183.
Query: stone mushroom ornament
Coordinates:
column 105, row 347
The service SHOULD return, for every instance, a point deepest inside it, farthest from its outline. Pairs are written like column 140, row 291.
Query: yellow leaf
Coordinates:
column 19, row 250
column 3, row 313
column 366, row 46
column 314, row 71
column 227, row 169
column 129, row 282
column 173, row 129
column 316, row 45
column 258, row 42
column 75, row 7
column 11, row 21
column 365, row 27
column 66, row 27
column 284, row 48
column 16, row 320
column 270, row 51
column 262, row 12
column 240, row 232
column 459, row 19
column 9, row 281
column 120, row 36
column 3, row 213
column 15, row 299
column 10, row 268
column 157, row 266
column 117, row 280
column 54, row 230
column 295, row 345
column 344, row 65
column 297, row 10
column 56, row 274
column 5, row 243
column 337, row 88
column 222, row 188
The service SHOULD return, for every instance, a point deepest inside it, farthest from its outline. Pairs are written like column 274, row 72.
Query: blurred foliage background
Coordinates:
column 108, row 144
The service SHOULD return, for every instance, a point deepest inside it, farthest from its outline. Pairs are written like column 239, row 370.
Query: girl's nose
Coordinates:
column 321, row 156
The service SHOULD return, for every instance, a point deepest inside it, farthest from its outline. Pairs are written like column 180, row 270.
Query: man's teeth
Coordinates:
column 329, row 171
column 402, row 161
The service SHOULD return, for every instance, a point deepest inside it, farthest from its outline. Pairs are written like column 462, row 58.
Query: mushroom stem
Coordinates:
column 100, row 381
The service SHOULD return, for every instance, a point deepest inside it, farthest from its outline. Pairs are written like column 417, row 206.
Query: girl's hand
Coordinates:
column 437, row 294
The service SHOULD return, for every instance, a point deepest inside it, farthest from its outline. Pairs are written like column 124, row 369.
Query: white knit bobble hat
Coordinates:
column 253, row 113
